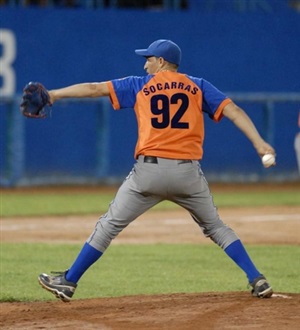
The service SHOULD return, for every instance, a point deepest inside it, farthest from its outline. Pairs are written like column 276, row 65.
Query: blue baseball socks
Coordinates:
column 87, row 256
column 239, row 255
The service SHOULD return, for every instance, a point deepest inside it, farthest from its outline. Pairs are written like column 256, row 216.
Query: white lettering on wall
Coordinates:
column 7, row 57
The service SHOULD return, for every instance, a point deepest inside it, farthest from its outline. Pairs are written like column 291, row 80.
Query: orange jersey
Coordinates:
column 169, row 108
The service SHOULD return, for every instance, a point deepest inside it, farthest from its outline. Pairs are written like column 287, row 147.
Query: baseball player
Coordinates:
column 169, row 108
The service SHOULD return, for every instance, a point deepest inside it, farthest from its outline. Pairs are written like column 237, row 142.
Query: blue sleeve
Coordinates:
column 211, row 96
column 127, row 88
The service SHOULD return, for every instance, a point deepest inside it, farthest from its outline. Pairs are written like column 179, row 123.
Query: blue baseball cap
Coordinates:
column 166, row 49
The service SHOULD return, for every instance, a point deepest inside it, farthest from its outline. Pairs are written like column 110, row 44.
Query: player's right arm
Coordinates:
column 84, row 90
column 239, row 117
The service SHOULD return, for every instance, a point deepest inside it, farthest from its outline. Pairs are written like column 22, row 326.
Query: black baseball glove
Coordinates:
column 34, row 100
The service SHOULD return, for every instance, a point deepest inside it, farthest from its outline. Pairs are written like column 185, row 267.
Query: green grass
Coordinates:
column 144, row 269
column 257, row 198
column 138, row 269
column 34, row 204
column 28, row 203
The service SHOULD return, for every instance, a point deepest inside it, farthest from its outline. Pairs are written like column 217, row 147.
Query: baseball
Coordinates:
column 268, row 160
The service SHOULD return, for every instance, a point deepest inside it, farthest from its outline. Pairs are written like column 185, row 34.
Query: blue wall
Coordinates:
column 237, row 52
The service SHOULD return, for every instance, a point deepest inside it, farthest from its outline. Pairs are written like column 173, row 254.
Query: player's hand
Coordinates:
column 264, row 148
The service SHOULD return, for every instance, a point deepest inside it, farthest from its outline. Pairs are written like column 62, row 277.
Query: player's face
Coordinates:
column 152, row 65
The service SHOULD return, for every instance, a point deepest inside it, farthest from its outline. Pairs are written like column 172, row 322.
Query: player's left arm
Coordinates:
column 245, row 124
column 80, row 91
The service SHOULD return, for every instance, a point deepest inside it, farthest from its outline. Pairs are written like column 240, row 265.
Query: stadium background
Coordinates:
column 248, row 49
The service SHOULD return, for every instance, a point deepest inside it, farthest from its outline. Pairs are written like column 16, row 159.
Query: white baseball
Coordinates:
column 268, row 160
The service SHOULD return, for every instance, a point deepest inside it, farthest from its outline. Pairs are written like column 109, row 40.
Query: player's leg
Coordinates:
column 145, row 186
column 202, row 209
column 129, row 203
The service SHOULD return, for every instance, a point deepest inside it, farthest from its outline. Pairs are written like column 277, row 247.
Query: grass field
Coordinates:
column 61, row 202
column 145, row 269
column 137, row 269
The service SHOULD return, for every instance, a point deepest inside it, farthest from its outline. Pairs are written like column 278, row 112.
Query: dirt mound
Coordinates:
column 234, row 310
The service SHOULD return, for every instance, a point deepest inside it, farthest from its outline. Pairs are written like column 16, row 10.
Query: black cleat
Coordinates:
column 58, row 285
column 261, row 288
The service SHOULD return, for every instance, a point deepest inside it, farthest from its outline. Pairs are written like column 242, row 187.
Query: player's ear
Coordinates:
column 161, row 61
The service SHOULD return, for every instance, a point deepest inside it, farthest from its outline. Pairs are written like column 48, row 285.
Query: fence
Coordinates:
column 97, row 146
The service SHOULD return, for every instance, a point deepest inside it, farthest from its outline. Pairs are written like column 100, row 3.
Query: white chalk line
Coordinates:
column 253, row 218
column 271, row 217
column 173, row 221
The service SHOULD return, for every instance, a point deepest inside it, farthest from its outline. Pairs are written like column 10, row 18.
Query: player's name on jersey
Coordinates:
column 170, row 85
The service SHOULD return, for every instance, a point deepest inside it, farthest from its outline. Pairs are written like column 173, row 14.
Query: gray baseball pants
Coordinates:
column 147, row 185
